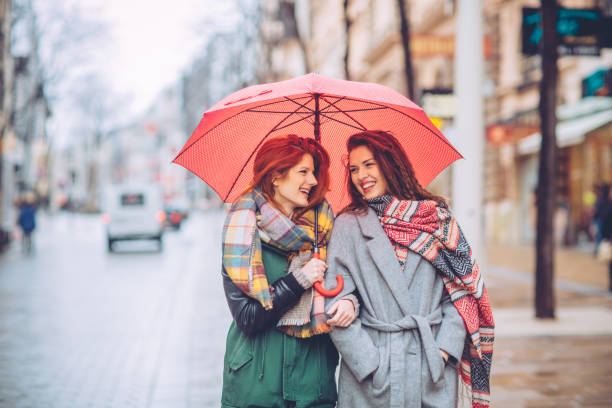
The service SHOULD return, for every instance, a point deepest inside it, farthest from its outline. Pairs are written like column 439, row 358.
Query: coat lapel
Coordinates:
column 383, row 254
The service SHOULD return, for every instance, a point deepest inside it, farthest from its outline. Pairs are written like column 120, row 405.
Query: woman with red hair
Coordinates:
column 278, row 351
column 425, row 315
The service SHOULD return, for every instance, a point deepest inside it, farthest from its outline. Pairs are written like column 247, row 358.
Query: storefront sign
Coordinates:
column 439, row 103
column 578, row 31
column 430, row 45
column 506, row 133
column 605, row 32
column 598, row 84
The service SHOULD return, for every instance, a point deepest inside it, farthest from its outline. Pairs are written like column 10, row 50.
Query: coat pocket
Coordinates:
column 242, row 355
column 238, row 373
column 380, row 379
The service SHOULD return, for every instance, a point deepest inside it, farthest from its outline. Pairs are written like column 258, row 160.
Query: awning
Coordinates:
column 569, row 132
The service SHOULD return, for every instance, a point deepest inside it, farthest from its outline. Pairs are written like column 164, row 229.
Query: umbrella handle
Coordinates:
column 331, row 292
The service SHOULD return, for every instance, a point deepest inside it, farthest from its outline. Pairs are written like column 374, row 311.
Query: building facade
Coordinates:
column 363, row 38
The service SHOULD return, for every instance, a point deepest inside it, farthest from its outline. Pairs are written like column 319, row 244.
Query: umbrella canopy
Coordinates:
column 222, row 148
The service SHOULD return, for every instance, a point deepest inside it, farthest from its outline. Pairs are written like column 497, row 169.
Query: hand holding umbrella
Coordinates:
column 339, row 279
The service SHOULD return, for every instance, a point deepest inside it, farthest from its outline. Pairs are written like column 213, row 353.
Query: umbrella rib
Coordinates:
column 329, row 104
column 253, row 152
column 338, row 110
column 309, row 97
column 443, row 139
column 267, row 111
column 301, row 105
column 344, row 113
column 401, row 113
column 290, row 124
column 344, row 123
column 379, row 105
column 225, row 120
column 322, row 111
column 355, row 110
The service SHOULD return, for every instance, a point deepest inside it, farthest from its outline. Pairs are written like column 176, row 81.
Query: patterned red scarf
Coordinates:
column 431, row 231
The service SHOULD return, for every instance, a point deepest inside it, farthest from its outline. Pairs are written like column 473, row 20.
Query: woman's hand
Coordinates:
column 343, row 312
column 444, row 355
column 314, row 270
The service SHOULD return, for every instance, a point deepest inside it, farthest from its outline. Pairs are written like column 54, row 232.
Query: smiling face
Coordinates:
column 293, row 189
column 365, row 173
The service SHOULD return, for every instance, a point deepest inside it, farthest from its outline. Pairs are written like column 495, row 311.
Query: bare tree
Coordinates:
column 347, row 35
column 5, row 65
column 101, row 111
column 6, row 70
column 404, row 15
column 278, row 28
column 298, row 35
column 545, row 195
column 70, row 43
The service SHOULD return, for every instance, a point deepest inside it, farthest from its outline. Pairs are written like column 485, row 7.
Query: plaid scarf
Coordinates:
column 251, row 220
column 431, row 231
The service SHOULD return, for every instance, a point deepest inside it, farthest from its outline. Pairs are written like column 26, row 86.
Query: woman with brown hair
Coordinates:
column 425, row 315
column 278, row 352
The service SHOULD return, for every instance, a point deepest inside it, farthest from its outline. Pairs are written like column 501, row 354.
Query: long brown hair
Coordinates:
column 277, row 155
column 394, row 166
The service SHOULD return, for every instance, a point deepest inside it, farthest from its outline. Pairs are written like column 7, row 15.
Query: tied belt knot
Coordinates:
column 396, row 331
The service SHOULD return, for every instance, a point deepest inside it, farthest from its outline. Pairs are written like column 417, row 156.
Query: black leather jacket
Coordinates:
column 249, row 314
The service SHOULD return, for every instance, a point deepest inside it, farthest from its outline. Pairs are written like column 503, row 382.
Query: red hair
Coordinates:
column 277, row 155
column 394, row 166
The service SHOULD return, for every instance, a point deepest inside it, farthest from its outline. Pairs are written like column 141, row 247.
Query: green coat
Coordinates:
column 271, row 368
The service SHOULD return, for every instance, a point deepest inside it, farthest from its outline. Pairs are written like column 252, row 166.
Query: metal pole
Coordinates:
column 545, row 196
column 467, row 176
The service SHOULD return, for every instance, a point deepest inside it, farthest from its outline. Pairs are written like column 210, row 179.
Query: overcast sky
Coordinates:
column 153, row 41
column 145, row 46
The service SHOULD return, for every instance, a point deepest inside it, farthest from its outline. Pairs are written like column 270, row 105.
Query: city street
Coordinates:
column 141, row 328
column 119, row 116
column 137, row 328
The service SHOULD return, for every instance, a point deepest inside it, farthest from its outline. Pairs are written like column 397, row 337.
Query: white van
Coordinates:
column 133, row 212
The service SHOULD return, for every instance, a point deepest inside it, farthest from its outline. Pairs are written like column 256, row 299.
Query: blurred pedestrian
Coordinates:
column 278, row 351
column 603, row 201
column 424, row 315
column 27, row 220
column 606, row 233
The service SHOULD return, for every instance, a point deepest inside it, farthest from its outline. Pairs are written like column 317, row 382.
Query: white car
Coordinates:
column 133, row 212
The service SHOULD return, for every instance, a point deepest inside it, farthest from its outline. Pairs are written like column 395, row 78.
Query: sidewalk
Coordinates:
column 565, row 362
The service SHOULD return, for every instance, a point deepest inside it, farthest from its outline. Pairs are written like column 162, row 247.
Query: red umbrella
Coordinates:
column 222, row 148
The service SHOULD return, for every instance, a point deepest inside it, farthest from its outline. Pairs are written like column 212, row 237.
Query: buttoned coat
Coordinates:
column 406, row 317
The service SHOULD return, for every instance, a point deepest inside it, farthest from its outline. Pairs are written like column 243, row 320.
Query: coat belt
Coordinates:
column 396, row 331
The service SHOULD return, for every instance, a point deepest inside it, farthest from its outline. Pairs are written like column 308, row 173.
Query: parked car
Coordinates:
column 133, row 212
column 174, row 217
column 176, row 212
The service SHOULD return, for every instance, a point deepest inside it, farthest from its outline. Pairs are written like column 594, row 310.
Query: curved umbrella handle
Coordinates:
column 331, row 292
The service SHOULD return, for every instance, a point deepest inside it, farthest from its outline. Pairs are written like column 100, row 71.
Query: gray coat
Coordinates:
column 406, row 316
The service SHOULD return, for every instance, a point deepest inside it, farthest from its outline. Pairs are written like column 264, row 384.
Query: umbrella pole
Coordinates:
column 316, row 233
column 317, row 136
column 339, row 279
column 317, row 119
